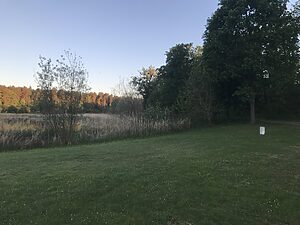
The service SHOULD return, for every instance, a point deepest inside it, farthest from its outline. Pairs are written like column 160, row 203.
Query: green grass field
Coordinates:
column 225, row 175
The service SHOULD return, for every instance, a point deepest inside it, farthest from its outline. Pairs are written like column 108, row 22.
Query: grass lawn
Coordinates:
column 225, row 175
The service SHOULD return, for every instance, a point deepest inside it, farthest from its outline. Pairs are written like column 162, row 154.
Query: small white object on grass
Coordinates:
column 262, row 130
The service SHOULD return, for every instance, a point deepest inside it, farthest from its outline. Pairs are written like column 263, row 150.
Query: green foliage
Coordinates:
column 245, row 38
column 12, row 109
column 144, row 82
column 158, row 113
column 172, row 77
column 199, row 98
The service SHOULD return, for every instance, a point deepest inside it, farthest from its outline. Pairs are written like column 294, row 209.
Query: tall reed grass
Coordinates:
column 23, row 131
column 121, row 126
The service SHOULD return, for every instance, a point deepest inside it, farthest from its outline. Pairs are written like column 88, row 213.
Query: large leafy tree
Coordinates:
column 172, row 77
column 144, row 82
column 199, row 96
column 251, row 49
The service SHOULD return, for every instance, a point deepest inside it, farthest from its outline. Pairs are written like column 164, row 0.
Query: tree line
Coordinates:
column 247, row 66
column 26, row 100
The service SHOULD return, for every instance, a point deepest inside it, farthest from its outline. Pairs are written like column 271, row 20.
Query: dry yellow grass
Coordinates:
column 27, row 130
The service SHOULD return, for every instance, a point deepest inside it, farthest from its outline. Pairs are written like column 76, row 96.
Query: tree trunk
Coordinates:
column 252, row 108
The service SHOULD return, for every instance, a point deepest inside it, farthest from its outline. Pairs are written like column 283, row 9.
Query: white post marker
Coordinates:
column 262, row 130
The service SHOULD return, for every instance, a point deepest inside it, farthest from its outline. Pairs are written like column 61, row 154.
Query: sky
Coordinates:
column 115, row 38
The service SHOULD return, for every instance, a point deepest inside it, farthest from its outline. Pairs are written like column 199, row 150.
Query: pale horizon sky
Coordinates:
column 115, row 38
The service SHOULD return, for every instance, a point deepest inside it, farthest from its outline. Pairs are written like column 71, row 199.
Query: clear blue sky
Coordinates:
column 115, row 38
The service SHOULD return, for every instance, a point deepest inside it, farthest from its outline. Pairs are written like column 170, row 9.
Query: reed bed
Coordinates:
column 19, row 131
column 23, row 131
column 120, row 126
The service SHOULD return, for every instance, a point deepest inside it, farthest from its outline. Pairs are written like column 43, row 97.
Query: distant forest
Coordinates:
column 26, row 100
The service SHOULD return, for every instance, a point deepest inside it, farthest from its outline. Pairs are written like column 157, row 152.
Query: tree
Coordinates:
column 244, row 41
column 144, row 82
column 296, row 9
column 172, row 77
column 62, row 85
column 199, row 97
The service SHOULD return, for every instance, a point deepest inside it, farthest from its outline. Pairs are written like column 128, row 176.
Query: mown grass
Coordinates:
column 220, row 175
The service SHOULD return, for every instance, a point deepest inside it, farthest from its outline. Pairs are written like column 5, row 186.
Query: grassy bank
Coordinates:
column 220, row 175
